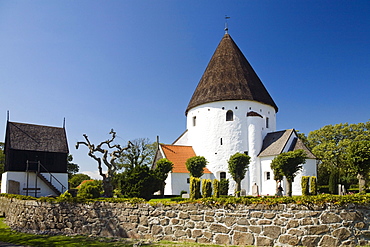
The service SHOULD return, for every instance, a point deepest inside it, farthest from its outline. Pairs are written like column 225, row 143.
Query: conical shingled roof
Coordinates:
column 229, row 76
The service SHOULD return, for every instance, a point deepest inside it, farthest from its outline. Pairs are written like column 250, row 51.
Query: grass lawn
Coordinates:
column 10, row 236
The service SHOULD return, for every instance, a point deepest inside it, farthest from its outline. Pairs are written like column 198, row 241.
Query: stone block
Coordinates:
column 196, row 233
column 305, row 222
column 264, row 222
column 189, row 224
column 229, row 221
column 209, row 218
column 310, row 241
column 329, row 217
column 179, row 233
column 272, row 231
column 289, row 240
column 328, row 241
column 156, row 230
column 203, row 240
column 243, row 238
column 295, row 232
column 317, row 230
column 256, row 214
column 342, row 233
column 222, row 239
column 219, row 228
column 242, row 221
column 196, row 217
column 352, row 216
column 241, row 228
column 263, row 241
column 183, row 215
column 255, row 229
column 269, row 215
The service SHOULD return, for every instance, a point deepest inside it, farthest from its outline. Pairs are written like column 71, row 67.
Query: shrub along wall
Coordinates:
column 256, row 224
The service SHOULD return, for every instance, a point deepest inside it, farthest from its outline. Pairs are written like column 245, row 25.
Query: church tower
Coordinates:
column 230, row 111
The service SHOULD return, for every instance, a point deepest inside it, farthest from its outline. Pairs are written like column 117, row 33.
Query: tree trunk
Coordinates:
column 288, row 187
column 238, row 188
column 361, row 183
column 108, row 187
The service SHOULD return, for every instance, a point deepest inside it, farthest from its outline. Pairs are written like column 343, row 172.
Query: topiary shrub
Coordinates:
column 206, row 188
column 313, row 185
column 216, row 188
column 305, row 185
column 224, row 186
column 194, row 188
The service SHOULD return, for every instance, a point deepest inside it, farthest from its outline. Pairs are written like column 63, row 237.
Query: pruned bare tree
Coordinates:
column 110, row 164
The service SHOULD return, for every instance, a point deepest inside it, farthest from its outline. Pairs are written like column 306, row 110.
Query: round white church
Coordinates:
column 231, row 111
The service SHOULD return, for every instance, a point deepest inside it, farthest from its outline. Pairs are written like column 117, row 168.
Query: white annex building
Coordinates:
column 231, row 111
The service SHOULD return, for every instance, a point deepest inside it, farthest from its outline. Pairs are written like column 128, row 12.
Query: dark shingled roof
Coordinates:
column 30, row 137
column 229, row 76
column 275, row 142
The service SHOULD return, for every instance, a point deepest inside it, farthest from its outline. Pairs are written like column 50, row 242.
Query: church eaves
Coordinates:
column 229, row 76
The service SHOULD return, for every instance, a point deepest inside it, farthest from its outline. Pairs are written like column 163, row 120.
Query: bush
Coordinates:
column 194, row 188
column 90, row 189
column 216, row 188
column 206, row 188
column 305, row 185
column 224, row 186
column 313, row 185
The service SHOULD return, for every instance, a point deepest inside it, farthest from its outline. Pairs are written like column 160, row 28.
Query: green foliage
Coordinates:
column 330, row 145
column 288, row 164
column 313, row 185
column 333, row 181
column 224, row 186
column 216, row 188
column 206, row 188
column 77, row 179
column 238, row 165
column 162, row 168
column 194, row 187
column 72, row 168
column 138, row 181
column 140, row 153
column 359, row 159
column 196, row 165
column 90, row 189
column 305, row 185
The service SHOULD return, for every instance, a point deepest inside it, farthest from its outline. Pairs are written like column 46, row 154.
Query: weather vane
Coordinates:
column 226, row 26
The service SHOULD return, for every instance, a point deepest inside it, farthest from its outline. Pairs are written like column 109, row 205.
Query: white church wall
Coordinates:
column 308, row 169
column 268, row 184
column 177, row 182
column 182, row 140
column 217, row 139
column 21, row 177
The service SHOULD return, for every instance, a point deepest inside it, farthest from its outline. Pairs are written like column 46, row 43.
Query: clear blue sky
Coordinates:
column 133, row 65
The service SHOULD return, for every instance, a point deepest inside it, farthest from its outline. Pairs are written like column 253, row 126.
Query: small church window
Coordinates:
column 268, row 176
column 267, row 123
column 221, row 141
column 188, row 180
column 229, row 115
column 236, row 107
column 194, row 121
column 222, row 175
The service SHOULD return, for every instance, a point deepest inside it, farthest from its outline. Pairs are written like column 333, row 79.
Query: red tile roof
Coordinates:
column 178, row 155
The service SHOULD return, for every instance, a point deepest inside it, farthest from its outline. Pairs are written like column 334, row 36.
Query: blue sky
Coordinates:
column 133, row 65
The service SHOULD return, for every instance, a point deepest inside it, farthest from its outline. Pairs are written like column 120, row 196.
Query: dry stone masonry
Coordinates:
column 260, row 225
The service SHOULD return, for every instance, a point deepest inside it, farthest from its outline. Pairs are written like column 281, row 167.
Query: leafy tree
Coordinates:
column 138, row 181
column 2, row 159
column 77, row 179
column 238, row 165
column 333, row 181
column 162, row 168
column 72, row 168
column 216, row 188
column 140, row 153
column 359, row 158
column 194, row 187
column 288, row 164
column 206, row 188
column 196, row 165
column 329, row 144
column 90, row 189
column 224, row 186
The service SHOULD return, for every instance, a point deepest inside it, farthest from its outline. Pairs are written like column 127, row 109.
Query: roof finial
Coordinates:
column 226, row 26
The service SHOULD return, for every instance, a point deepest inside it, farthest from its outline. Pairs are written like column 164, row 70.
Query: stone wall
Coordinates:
column 260, row 225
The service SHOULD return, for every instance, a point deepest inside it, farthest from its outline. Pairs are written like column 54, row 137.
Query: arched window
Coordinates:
column 222, row 175
column 229, row 115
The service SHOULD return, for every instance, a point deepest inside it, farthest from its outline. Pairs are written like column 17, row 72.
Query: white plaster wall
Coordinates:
column 182, row 140
column 21, row 177
column 268, row 187
column 176, row 182
column 308, row 169
column 211, row 126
